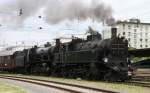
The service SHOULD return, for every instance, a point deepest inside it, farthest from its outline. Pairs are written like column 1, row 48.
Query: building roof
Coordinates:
column 132, row 21
column 125, row 22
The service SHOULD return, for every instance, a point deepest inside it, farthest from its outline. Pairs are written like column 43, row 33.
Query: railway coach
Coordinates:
column 12, row 59
column 6, row 61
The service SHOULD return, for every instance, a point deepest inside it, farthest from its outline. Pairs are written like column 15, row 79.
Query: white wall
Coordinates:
column 134, row 32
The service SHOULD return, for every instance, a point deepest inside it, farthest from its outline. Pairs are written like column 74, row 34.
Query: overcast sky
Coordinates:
column 16, row 33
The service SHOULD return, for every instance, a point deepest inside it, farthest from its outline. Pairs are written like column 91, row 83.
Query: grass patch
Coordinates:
column 120, row 87
column 8, row 88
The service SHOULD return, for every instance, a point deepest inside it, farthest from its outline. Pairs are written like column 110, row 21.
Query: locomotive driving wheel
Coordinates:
column 93, row 72
column 27, row 69
column 111, row 76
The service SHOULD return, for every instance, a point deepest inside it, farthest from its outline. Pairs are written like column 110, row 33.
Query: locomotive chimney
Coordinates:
column 57, row 42
column 113, row 32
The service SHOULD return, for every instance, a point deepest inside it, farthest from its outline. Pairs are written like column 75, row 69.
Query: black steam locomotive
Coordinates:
column 92, row 58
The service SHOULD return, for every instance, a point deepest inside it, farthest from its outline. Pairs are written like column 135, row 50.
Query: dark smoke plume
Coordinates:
column 58, row 10
column 10, row 10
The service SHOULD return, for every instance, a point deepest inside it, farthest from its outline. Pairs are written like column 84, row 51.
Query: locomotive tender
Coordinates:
column 93, row 58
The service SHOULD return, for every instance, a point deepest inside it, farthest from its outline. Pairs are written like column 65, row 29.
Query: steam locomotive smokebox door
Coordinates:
column 113, row 32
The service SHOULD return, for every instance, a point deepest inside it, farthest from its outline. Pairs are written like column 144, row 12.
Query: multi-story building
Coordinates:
column 136, row 32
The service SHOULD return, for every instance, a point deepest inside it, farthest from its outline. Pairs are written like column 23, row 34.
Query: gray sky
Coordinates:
column 124, row 9
column 10, row 33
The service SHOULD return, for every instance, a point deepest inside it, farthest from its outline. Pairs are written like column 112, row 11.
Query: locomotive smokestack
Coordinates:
column 57, row 42
column 113, row 32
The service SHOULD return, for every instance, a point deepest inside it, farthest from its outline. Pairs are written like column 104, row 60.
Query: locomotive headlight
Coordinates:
column 105, row 59
column 5, row 64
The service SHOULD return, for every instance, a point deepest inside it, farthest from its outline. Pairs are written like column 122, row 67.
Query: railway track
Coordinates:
column 139, row 83
column 141, row 78
column 70, row 88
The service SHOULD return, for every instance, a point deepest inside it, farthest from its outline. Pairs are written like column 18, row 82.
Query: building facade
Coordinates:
column 136, row 32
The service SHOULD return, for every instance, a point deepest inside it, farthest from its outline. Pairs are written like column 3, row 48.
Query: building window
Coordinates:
column 146, row 40
column 140, row 39
column 141, row 46
column 123, row 26
column 134, row 36
column 123, row 33
column 146, row 34
column 129, row 33
column 129, row 27
column 146, row 46
column 135, row 30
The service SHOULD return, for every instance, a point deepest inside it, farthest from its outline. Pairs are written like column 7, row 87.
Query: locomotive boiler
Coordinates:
column 39, row 60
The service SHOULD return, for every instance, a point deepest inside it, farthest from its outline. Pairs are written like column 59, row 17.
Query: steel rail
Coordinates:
column 60, row 83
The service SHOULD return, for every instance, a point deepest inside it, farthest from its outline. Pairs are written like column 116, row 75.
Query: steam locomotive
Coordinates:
column 93, row 58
